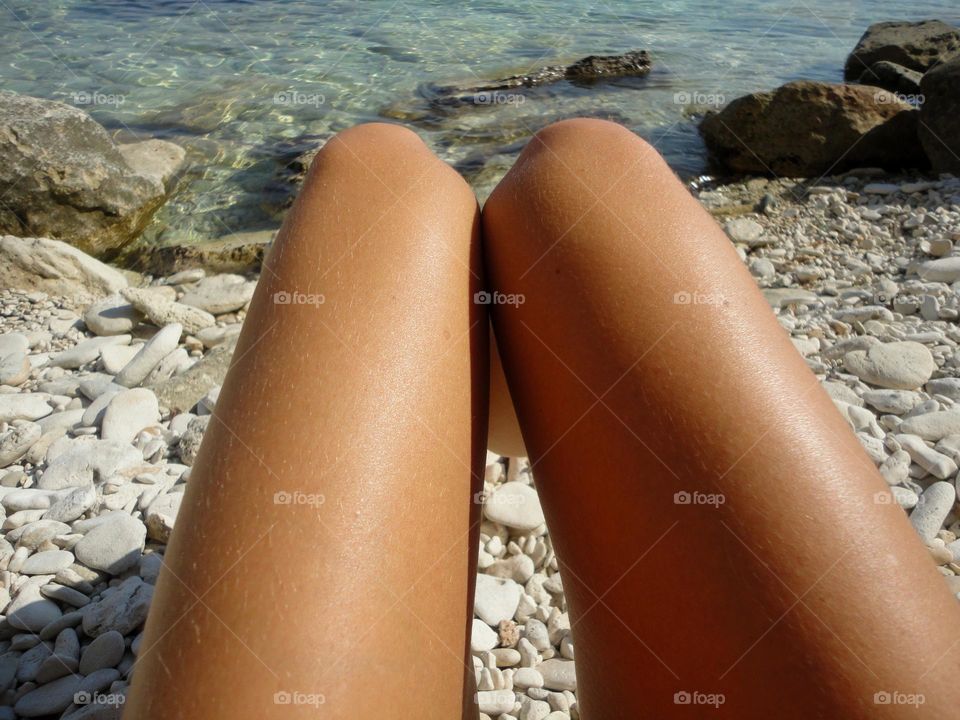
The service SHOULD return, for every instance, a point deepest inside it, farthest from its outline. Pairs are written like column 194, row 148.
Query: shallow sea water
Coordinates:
column 246, row 86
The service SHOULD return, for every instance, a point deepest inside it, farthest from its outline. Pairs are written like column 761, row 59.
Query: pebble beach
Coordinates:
column 113, row 350
column 104, row 407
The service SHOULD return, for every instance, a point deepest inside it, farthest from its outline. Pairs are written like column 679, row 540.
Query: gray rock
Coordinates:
column 49, row 699
column 124, row 610
column 87, row 460
column 515, row 505
column 897, row 365
column 496, row 599
column 30, row 610
column 86, row 351
column 190, row 441
column 113, row 546
column 71, row 505
column 15, row 443
column 558, row 674
column 48, row 562
column 162, row 311
column 220, row 294
column 128, row 413
column 933, row 426
column 182, row 392
column 932, row 509
column 105, row 651
column 31, row 263
column 161, row 515
column 66, row 179
column 25, row 406
column 153, row 351
column 112, row 315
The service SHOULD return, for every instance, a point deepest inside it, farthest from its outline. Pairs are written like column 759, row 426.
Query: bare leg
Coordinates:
column 326, row 547
column 799, row 596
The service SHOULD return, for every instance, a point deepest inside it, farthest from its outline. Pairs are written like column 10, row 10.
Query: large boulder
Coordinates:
column 940, row 116
column 807, row 129
column 62, row 176
column 54, row 267
column 915, row 45
column 893, row 77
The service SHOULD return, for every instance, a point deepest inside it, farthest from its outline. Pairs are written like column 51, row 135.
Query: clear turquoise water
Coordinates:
column 245, row 86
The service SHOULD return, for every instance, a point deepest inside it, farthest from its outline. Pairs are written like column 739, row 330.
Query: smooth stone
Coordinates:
column 558, row 674
column 124, row 610
column 14, row 343
column 161, row 515
column 86, row 460
column 482, row 637
column 113, row 546
column 153, row 351
column 64, row 594
column 16, row 499
column 128, row 413
column 105, row 651
column 897, row 365
column 220, row 294
column 496, row 599
column 941, row 270
column 932, row 509
column 527, row 677
column 892, row 401
column 162, row 311
column 99, row 680
column 31, row 660
column 23, row 406
column 71, row 505
column 495, row 702
column 14, row 369
column 93, row 413
column 948, row 387
column 933, row 426
column 48, row 562
column 54, row 697
column 515, row 505
column 15, row 443
column 111, row 316
column 743, row 230
column 86, row 351
column 114, row 358
column 30, row 610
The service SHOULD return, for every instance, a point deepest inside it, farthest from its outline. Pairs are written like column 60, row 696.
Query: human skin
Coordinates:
column 374, row 399
column 800, row 596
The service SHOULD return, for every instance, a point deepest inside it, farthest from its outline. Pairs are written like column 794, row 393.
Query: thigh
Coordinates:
column 325, row 548
column 629, row 396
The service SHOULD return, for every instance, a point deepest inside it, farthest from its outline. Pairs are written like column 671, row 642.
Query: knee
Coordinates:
column 371, row 148
column 576, row 161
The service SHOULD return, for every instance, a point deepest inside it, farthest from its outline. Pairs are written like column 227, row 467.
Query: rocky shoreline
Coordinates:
column 109, row 377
